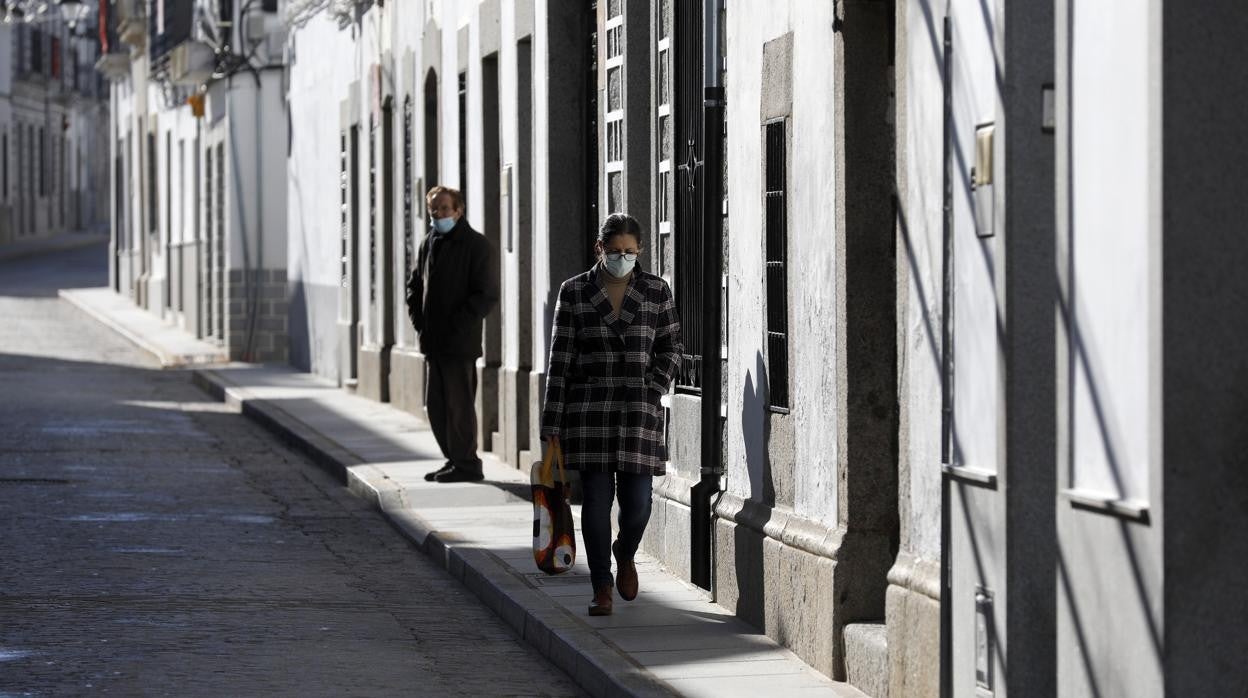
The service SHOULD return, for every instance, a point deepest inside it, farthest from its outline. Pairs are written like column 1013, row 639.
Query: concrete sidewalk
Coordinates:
column 173, row 347
column 670, row 640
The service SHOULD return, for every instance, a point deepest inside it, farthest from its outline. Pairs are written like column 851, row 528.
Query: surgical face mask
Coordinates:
column 619, row 264
column 443, row 226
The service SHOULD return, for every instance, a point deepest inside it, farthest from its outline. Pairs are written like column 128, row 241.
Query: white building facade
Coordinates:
column 53, row 145
column 973, row 290
column 198, row 175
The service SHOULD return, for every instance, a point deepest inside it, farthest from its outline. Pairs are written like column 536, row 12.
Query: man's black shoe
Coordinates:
column 433, row 474
column 459, row 475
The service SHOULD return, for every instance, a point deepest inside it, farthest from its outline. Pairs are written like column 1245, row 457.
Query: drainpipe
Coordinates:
column 946, row 374
column 703, row 493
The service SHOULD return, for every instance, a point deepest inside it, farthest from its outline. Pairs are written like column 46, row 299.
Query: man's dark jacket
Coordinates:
column 451, row 290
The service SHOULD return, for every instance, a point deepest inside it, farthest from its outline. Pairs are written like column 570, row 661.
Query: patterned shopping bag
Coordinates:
column 554, row 534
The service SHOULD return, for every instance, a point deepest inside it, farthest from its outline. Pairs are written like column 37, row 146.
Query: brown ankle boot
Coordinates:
column 625, row 575
column 603, row 598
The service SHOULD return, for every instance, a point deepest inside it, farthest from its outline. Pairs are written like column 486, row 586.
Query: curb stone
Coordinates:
column 166, row 359
column 567, row 642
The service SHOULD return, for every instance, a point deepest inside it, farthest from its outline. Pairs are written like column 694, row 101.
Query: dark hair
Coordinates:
column 619, row 224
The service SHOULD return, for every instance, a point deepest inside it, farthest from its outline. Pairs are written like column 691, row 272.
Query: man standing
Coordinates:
column 451, row 290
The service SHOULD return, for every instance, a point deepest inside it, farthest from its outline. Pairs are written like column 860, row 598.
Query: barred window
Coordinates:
column 777, row 274
column 209, row 316
column 344, row 213
column 463, row 135
column 408, row 213
column 219, row 258
column 664, row 145
column 687, row 236
column 372, row 209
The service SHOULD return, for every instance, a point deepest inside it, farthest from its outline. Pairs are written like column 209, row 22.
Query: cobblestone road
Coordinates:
column 157, row 544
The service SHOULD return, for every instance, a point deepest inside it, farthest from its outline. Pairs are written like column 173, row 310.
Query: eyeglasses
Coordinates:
column 617, row 256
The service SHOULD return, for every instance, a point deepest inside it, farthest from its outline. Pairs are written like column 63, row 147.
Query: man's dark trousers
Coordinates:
column 450, row 399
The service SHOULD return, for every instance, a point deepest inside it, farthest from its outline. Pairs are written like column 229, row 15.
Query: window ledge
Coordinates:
column 1130, row 509
column 969, row 475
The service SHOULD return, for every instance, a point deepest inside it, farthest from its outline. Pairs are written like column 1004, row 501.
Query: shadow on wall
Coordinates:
column 748, row 542
column 299, row 350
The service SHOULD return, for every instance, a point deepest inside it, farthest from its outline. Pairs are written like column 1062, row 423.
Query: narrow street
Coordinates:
column 157, row 543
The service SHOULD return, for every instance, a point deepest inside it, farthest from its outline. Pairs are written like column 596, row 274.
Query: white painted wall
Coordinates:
column 920, row 158
column 407, row 23
column 253, row 216
column 977, row 395
column 508, row 125
column 542, row 290
column 321, row 68
column 1115, row 249
column 811, row 253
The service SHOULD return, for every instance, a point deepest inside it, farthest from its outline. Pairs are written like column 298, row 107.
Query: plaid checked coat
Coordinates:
column 606, row 374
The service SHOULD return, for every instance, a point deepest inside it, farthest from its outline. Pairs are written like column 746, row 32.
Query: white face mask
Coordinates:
column 618, row 264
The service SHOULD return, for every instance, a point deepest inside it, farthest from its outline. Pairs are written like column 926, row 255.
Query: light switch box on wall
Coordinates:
column 981, row 181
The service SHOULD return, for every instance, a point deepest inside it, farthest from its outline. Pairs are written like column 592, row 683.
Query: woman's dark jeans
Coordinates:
column 599, row 491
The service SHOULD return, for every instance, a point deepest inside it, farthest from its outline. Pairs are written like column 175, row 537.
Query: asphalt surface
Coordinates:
column 156, row 543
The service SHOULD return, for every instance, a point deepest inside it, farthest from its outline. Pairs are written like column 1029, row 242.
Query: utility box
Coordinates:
column 981, row 181
column 191, row 63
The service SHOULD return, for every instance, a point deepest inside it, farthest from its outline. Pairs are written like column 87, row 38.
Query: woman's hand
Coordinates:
column 552, row 441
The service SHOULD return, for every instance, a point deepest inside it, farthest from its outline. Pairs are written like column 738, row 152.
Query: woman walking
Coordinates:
column 614, row 351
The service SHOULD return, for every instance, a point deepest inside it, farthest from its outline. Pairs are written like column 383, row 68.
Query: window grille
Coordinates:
column 688, row 141
column 344, row 221
column 153, row 208
column 431, row 131
column 463, row 135
column 168, row 193
column 590, row 115
column 219, row 263
column 36, row 52
column 408, row 222
column 777, row 274
column 663, row 147
column 373, row 232
column 615, row 112
column 209, row 315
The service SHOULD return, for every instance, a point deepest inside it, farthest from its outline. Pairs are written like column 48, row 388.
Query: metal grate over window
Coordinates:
column 663, row 262
column 777, row 274
column 153, row 203
column 409, row 229
column 344, row 221
column 463, row 135
column 616, row 109
column 210, row 323
column 373, row 231
column 590, row 125
column 688, row 142
column 219, row 253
